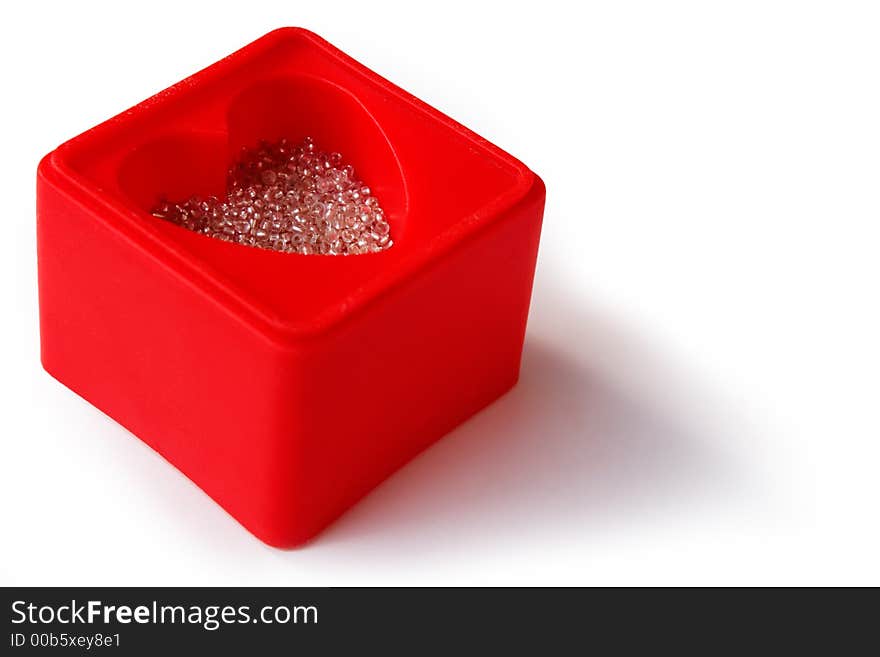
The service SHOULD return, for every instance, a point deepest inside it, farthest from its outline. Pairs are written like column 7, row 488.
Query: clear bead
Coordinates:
column 288, row 198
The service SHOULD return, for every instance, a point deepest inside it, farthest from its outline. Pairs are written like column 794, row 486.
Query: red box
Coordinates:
column 286, row 402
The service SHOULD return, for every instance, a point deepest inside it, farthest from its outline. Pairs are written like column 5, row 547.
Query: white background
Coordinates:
column 699, row 396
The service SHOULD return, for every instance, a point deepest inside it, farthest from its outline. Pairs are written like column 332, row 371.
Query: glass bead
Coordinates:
column 288, row 198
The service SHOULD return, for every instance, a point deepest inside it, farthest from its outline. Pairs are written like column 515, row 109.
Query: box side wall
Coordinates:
column 415, row 363
column 161, row 358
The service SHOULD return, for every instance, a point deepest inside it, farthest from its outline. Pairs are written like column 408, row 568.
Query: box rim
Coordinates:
column 127, row 223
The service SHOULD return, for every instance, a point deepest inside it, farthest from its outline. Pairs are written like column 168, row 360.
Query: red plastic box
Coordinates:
column 285, row 386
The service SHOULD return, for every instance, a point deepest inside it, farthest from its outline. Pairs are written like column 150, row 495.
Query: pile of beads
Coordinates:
column 289, row 198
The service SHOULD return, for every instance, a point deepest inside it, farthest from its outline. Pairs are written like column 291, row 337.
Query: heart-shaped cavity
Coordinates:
column 192, row 170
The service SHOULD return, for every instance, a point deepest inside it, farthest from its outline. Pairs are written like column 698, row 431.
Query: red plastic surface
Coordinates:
column 285, row 386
